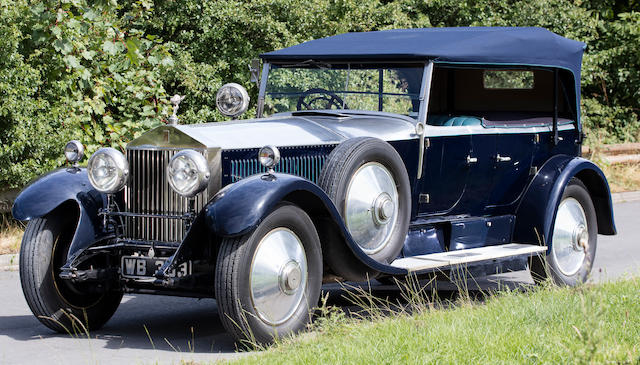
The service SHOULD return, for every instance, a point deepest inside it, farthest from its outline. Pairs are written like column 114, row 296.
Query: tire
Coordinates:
column 348, row 166
column 258, row 295
column 59, row 304
column 573, row 268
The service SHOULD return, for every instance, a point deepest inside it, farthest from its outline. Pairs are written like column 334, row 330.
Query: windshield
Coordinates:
column 345, row 86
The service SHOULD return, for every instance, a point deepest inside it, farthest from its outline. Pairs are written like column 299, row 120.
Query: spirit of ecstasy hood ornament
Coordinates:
column 175, row 101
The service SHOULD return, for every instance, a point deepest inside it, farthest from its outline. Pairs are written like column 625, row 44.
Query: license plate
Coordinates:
column 144, row 267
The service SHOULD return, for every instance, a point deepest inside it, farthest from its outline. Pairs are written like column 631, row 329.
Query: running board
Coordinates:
column 445, row 260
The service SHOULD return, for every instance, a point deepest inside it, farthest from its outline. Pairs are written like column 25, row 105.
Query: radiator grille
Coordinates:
column 148, row 192
column 308, row 167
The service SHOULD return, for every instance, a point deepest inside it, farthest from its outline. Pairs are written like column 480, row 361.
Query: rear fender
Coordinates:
column 536, row 213
column 59, row 187
column 240, row 207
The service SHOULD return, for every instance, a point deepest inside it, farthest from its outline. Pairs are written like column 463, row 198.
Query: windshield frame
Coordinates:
column 424, row 88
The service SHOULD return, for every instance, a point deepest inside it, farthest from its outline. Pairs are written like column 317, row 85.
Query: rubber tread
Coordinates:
column 27, row 277
column 540, row 267
column 328, row 179
column 226, row 272
column 332, row 176
column 40, row 293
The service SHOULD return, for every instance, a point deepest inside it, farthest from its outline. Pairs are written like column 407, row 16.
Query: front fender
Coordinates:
column 59, row 187
column 536, row 213
column 240, row 207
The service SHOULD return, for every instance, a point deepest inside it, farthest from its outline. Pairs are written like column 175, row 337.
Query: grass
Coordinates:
column 10, row 235
column 622, row 177
column 589, row 324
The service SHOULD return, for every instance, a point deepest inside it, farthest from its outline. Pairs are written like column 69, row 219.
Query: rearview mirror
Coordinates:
column 254, row 68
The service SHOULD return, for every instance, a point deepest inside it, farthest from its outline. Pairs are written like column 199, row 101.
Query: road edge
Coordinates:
column 625, row 196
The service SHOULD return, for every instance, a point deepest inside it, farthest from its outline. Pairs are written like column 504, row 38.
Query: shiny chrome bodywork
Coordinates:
column 149, row 192
column 295, row 129
column 371, row 207
column 175, row 101
column 122, row 169
column 74, row 152
column 163, row 212
column 269, row 156
column 201, row 171
column 570, row 236
column 421, row 126
column 232, row 100
column 278, row 276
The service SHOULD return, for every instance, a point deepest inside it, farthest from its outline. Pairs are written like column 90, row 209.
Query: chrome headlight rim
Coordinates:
column 120, row 166
column 200, row 168
column 224, row 94
column 74, row 151
column 269, row 156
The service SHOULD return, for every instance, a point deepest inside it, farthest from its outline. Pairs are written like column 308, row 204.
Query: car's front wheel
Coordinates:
column 574, row 239
column 59, row 304
column 268, row 281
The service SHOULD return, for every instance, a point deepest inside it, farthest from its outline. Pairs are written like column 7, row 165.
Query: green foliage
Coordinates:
column 101, row 70
column 72, row 69
column 590, row 324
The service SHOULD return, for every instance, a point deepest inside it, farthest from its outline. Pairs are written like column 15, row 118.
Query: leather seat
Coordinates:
column 446, row 120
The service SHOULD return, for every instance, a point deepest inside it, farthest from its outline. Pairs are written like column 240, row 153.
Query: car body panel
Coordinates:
column 56, row 188
column 475, row 180
column 282, row 130
column 537, row 210
column 239, row 208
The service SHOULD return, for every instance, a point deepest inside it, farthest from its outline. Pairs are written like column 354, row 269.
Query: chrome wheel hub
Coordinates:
column 290, row 277
column 371, row 206
column 383, row 209
column 278, row 276
column 570, row 241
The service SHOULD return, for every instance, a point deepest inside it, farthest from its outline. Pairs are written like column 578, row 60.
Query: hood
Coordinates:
column 287, row 129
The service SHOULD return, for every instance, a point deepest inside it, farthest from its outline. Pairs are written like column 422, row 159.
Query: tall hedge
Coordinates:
column 101, row 71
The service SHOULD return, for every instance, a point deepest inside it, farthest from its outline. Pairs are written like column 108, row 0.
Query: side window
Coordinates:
column 508, row 79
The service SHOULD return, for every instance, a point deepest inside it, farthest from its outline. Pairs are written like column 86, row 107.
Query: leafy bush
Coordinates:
column 101, row 71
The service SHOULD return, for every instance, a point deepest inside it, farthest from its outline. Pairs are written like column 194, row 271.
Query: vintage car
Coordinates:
column 373, row 155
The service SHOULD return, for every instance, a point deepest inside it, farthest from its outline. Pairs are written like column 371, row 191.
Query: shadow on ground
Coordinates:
column 188, row 325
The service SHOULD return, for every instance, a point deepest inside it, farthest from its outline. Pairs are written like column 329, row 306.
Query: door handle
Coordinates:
column 502, row 158
column 471, row 160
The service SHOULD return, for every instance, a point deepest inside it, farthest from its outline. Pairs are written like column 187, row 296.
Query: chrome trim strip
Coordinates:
column 425, row 93
column 437, row 131
column 262, row 91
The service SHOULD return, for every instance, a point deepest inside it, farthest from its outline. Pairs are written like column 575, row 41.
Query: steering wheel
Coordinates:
column 329, row 98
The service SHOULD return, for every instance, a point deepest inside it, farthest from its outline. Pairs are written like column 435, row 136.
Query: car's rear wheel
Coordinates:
column 268, row 281
column 368, row 182
column 574, row 239
column 59, row 304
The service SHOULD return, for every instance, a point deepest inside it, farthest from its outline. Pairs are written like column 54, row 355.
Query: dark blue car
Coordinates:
column 374, row 155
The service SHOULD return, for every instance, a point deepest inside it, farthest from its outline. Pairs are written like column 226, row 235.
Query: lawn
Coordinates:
column 590, row 324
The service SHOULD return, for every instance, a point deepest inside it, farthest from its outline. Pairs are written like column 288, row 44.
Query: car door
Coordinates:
column 512, row 166
column 445, row 170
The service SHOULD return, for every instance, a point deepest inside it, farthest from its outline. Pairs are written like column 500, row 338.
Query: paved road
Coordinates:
column 181, row 328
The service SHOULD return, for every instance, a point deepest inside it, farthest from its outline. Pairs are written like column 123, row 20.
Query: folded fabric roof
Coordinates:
column 488, row 45
column 530, row 46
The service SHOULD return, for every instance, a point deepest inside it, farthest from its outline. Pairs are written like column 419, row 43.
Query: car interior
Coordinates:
column 463, row 96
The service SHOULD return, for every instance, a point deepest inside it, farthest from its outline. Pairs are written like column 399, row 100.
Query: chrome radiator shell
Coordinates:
column 148, row 193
